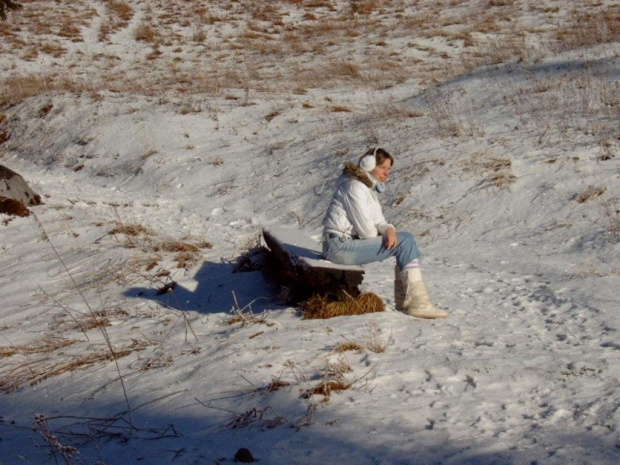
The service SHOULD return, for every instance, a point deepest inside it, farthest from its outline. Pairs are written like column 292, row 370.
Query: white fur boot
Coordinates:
column 416, row 301
column 400, row 293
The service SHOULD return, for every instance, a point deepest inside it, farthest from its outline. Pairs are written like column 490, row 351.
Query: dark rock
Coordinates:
column 243, row 455
column 13, row 186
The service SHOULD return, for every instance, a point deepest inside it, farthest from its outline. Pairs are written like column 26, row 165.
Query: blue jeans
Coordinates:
column 361, row 251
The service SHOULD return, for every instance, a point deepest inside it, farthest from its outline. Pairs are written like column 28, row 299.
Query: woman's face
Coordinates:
column 382, row 171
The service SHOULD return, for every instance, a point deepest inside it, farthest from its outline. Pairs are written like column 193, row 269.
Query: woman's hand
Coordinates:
column 390, row 240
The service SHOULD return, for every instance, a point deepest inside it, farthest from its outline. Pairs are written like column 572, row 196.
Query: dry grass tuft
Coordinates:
column 53, row 50
column 337, row 369
column 146, row 33
column 590, row 193
column 47, row 366
column 590, row 28
column 364, row 7
column 186, row 260
column 320, row 306
column 496, row 164
column 13, row 207
column 88, row 321
column 132, row 230
column 326, row 388
column 43, row 346
column 496, row 170
column 119, row 15
column 348, row 346
column 180, row 246
column 120, row 9
column 343, row 69
column 257, row 416
column 247, row 319
column 139, row 237
column 15, row 89
column 277, row 384
column 246, row 316
column 500, row 180
column 332, row 379
column 375, row 342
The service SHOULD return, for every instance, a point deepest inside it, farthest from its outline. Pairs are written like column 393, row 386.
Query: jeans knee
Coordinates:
column 406, row 237
column 407, row 240
column 409, row 248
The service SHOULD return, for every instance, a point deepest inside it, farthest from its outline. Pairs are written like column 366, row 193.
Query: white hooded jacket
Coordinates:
column 355, row 210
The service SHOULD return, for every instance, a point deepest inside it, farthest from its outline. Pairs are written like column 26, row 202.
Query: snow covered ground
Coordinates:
column 165, row 156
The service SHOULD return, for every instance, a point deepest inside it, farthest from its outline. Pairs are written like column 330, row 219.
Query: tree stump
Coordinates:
column 296, row 262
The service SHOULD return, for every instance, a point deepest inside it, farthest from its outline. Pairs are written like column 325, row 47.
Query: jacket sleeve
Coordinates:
column 359, row 212
column 381, row 224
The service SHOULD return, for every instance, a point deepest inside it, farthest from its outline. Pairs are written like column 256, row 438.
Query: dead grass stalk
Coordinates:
column 112, row 352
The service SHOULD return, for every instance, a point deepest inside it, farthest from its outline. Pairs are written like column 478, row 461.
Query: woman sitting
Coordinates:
column 355, row 232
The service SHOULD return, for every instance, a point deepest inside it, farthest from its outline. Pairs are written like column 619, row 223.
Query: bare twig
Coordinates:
column 66, row 310
column 93, row 315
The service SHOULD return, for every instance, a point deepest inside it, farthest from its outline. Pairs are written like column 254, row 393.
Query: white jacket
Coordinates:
column 355, row 209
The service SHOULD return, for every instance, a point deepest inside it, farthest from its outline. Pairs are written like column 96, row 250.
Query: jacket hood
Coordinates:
column 355, row 172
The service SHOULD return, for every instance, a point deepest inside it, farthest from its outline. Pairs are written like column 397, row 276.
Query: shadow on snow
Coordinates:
column 215, row 288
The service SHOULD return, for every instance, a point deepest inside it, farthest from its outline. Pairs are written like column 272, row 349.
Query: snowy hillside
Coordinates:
column 164, row 135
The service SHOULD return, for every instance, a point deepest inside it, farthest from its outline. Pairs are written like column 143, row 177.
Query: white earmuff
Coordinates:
column 369, row 162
